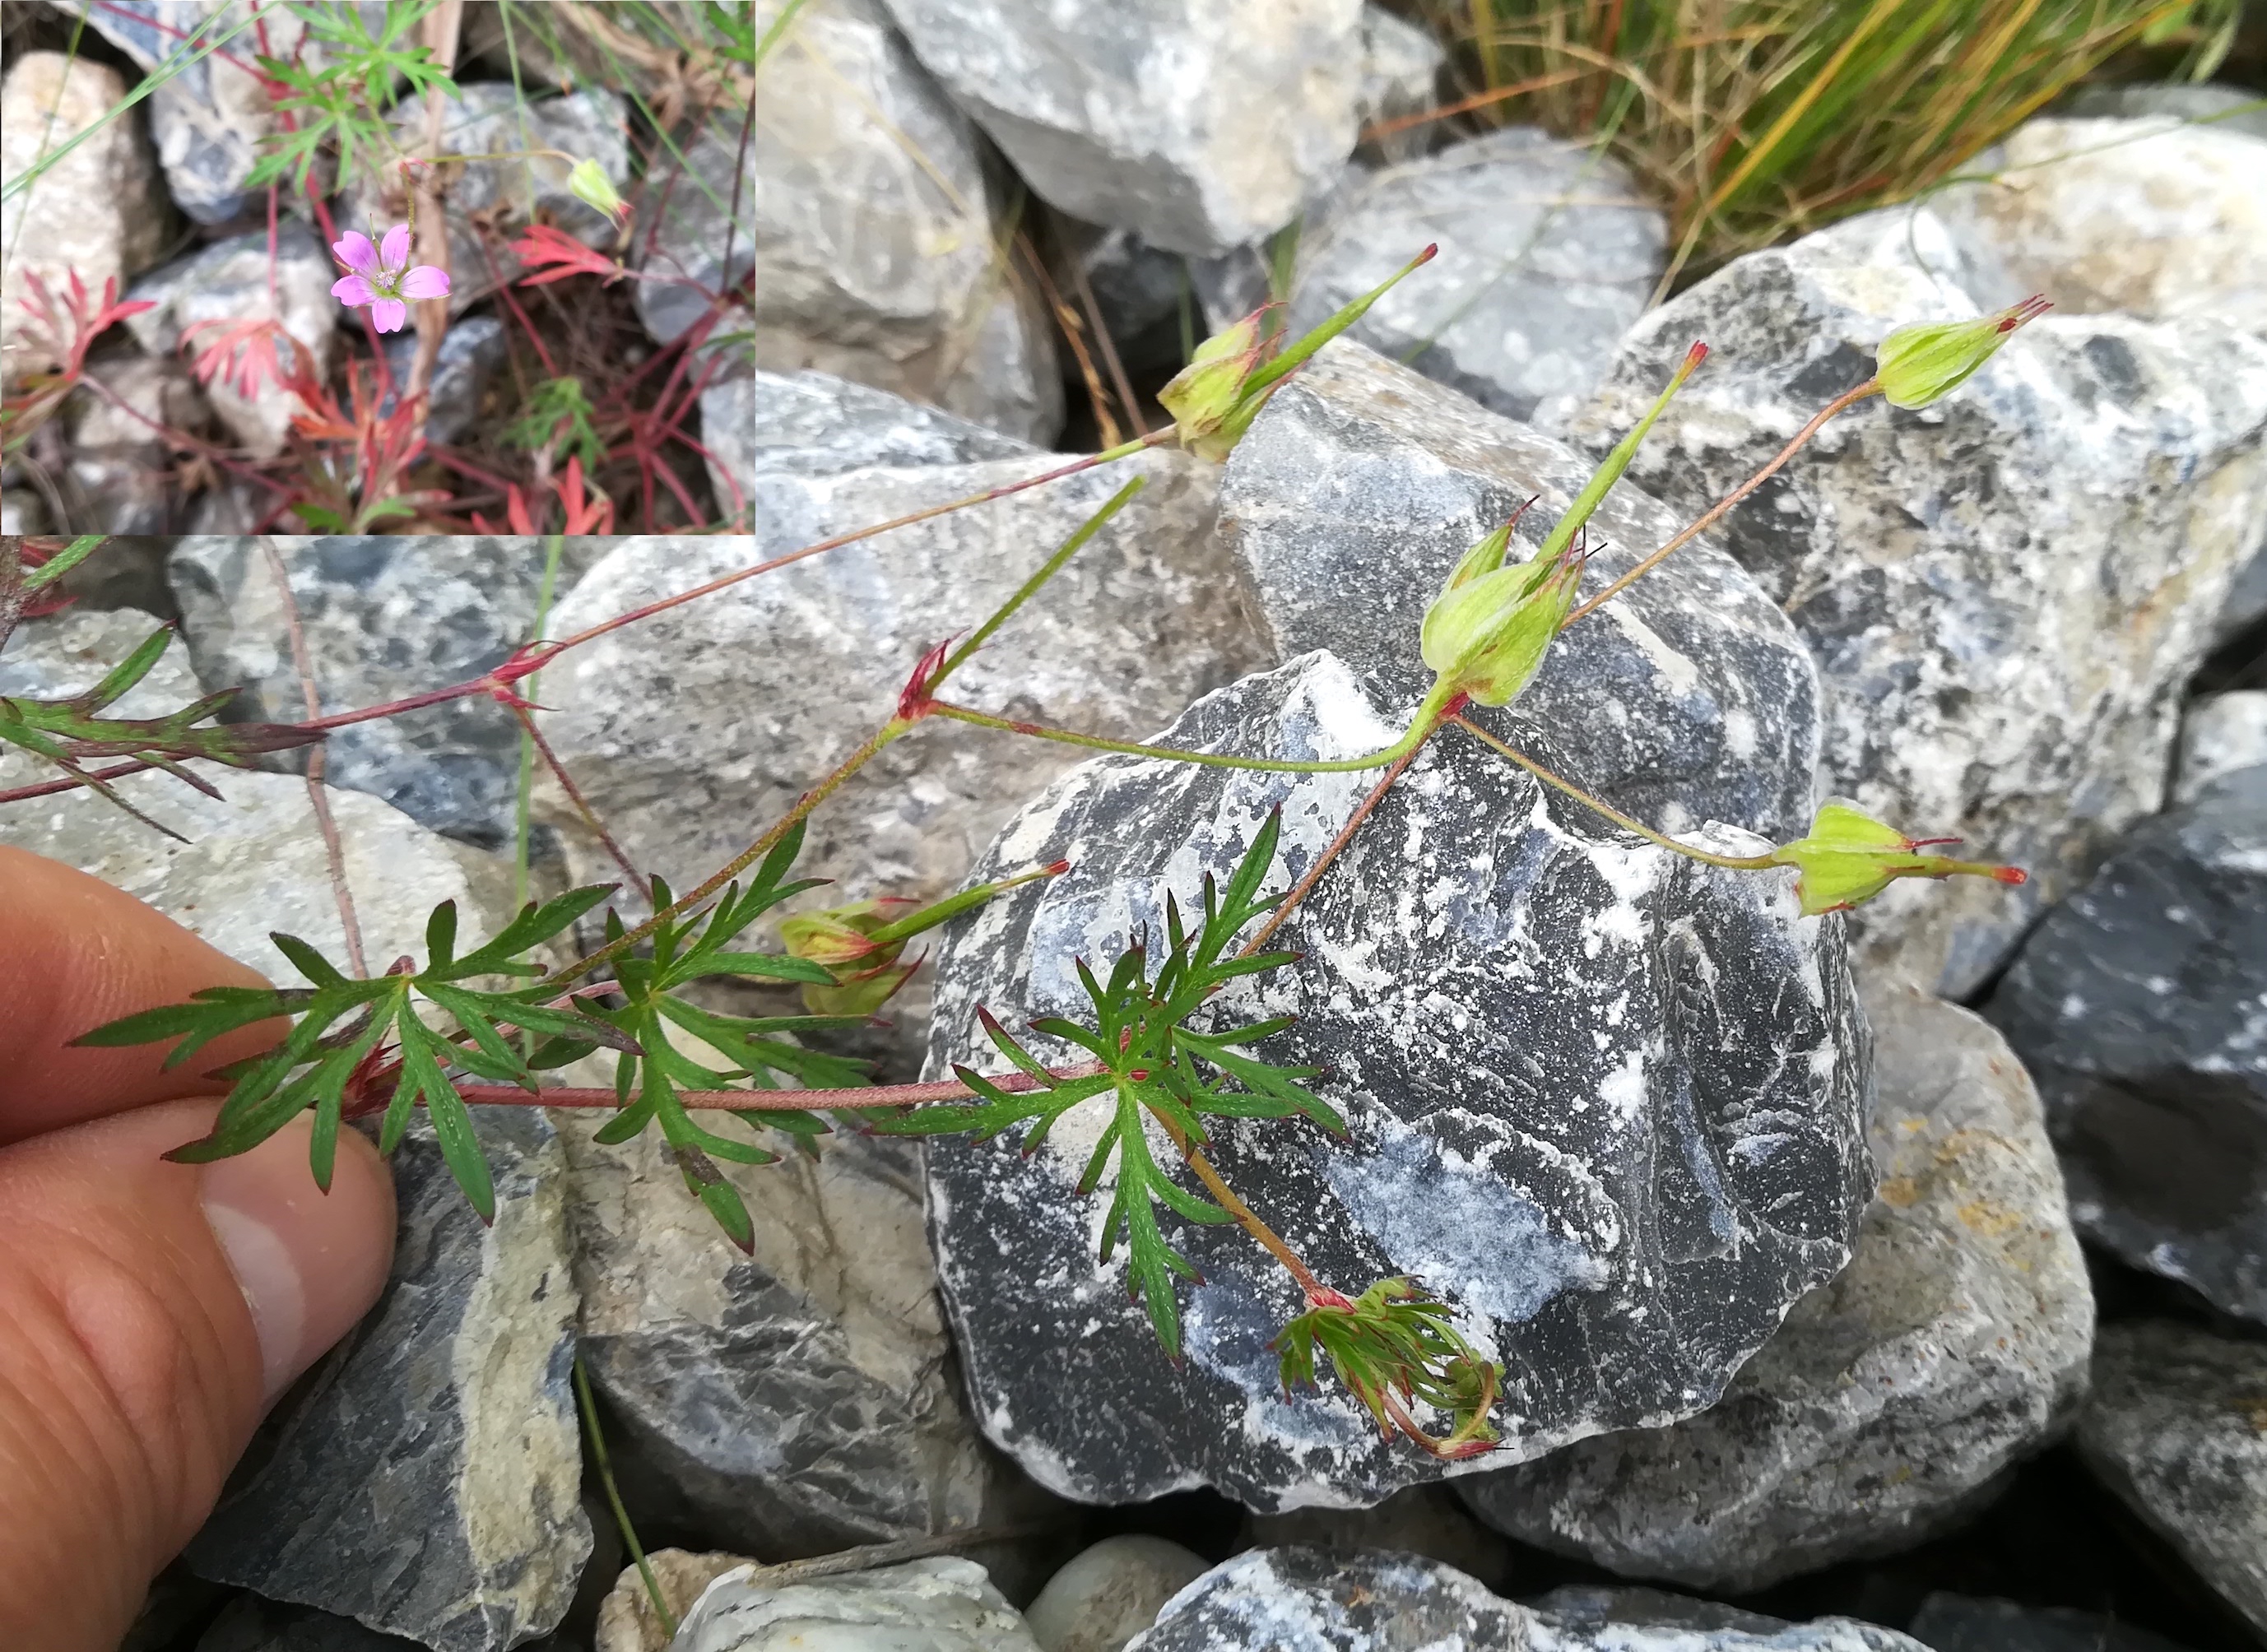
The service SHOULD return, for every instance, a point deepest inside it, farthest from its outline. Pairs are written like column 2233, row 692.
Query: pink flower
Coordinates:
column 381, row 278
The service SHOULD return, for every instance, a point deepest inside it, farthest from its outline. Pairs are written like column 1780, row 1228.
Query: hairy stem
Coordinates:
column 1420, row 727
column 1744, row 863
column 1716, row 512
column 318, row 794
column 887, row 1095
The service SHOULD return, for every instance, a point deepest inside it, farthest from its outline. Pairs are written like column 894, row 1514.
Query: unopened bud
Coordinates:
column 1924, row 363
column 1849, row 857
column 589, row 184
column 1485, row 634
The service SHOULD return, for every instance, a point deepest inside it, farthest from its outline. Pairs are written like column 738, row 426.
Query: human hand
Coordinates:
column 149, row 1311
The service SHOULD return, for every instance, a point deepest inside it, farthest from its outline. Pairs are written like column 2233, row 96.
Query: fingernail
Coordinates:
column 309, row 1263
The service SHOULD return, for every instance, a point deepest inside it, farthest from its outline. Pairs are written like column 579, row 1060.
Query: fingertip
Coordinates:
column 309, row 1263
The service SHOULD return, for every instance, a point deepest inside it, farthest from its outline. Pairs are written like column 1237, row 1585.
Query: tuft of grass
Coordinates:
column 1759, row 120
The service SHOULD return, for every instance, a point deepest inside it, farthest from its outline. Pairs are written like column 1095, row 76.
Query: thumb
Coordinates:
column 153, row 1311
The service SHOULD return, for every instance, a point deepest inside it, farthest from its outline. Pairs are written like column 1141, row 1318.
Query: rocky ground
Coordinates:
column 1893, row 1281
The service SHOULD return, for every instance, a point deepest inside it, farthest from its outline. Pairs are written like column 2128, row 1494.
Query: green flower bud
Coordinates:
column 1485, row 634
column 1214, row 398
column 1921, row 363
column 861, row 944
column 590, row 185
column 1850, row 857
column 1202, row 397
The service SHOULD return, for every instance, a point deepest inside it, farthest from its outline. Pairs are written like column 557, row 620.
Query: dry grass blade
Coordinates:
column 1758, row 120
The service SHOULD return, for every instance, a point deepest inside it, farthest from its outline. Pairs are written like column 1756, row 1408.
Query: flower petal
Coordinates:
column 389, row 314
column 351, row 290
column 395, row 251
column 356, row 252
column 425, row 281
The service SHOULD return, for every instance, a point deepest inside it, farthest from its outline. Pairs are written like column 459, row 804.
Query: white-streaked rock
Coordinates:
column 1606, row 1101
column 939, row 1605
column 1890, row 1403
column 1198, row 124
column 2007, row 591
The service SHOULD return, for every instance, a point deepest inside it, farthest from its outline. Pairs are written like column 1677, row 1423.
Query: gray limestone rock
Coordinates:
column 22, row 510
column 119, row 466
column 1959, row 1623
column 2178, row 1428
column 1427, row 1520
column 98, row 211
column 875, row 246
column 2225, row 108
column 210, row 113
column 2151, row 218
column 1313, row 1600
column 1109, row 1593
column 383, row 618
column 2247, row 599
column 2005, row 591
column 1401, row 65
column 1199, row 126
column 815, row 424
column 938, row 1605
column 250, row 1623
column 199, row 295
column 1691, row 698
column 728, row 420
column 254, row 861
column 2220, row 733
column 689, row 240
column 793, row 1401
column 2141, row 1005
column 1592, row 1606
column 1888, row 1404
column 473, row 351
column 1606, row 1101
column 425, row 1478
column 489, row 117
column 627, row 1621
column 692, row 730
column 1548, row 251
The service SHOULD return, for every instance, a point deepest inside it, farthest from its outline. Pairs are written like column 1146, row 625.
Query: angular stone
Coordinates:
column 1691, row 699
column 939, row 1605
column 1888, row 1404
column 1401, row 65
column 1108, row 1591
column 728, row 428
column 383, row 618
column 426, row 1480
column 1957, row 1623
column 1606, row 1100
column 1427, row 1520
column 98, row 211
column 1591, row 1606
column 254, row 861
column 693, row 730
column 2154, row 218
column 2141, row 1005
column 1548, row 251
column 2220, row 733
column 210, row 113
column 22, row 511
column 120, row 466
column 250, row 1623
column 2247, row 600
column 227, row 283
column 2178, row 1428
column 473, row 350
column 815, row 424
column 792, row 1402
column 2224, row 108
column 1313, row 1600
column 626, row 1621
column 490, row 117
column 1199, row 127
column 2005, row 591
column 874, row 242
